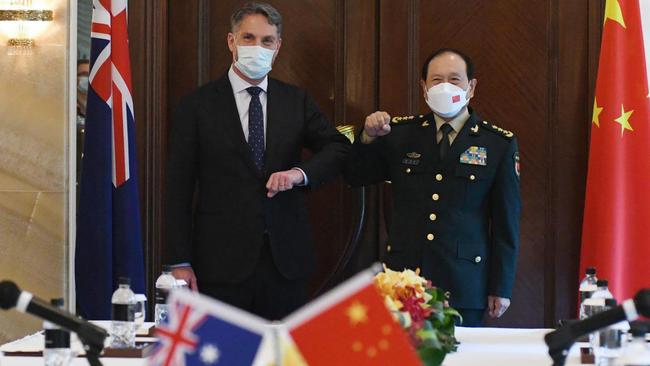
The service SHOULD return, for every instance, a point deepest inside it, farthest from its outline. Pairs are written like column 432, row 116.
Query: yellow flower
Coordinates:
column 402, row 284
column 392, row 304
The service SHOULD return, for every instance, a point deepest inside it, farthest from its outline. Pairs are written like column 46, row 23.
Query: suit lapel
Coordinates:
column 226, row 112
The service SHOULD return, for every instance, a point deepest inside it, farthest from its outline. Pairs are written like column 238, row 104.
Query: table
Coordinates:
column 479, row 346
column 503, row 346
column 35, row 342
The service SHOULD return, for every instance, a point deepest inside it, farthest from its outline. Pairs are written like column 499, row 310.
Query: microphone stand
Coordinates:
column 559, row 342
column 92, row 353
column 93, row 340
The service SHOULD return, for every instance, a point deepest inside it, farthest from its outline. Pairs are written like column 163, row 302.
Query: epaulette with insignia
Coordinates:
column 496, row 129
column 404, row 120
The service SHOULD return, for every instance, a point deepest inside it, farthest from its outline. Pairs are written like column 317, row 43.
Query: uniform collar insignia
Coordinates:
column 413, row 155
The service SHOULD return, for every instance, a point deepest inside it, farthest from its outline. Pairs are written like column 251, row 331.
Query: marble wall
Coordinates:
column 34, row 128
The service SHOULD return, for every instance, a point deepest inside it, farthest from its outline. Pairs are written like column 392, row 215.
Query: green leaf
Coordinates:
column 431, row 357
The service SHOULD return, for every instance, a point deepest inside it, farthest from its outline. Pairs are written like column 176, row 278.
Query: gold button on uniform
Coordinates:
column 430, row 237
column 433, row 217
column 478, row 259
column 435, row 197
column 408, row 170
column 472, row 177
column 388, row 248
column 438, row 177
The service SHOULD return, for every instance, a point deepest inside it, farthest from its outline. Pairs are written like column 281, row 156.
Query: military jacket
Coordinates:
column 456, row 219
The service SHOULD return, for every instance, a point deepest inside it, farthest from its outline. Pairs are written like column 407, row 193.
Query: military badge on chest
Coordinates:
column 474, row 155
column 412, row 158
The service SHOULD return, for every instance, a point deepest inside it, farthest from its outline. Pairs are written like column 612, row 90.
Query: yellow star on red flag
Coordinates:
column 613, row 12
column 597, row 111
column 357, row 313
column 624, row 120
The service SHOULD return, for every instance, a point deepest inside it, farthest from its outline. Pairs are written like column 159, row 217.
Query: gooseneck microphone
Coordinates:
column 560, row 341
column 91, row 335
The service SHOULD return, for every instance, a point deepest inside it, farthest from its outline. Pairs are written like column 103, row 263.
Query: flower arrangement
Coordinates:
column 422, row 310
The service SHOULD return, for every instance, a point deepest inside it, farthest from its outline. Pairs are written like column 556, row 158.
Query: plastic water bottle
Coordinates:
column 587, row 288
column 123, row 324
column 57, row 342
column 608, row 342
column 165, row 283
column 637, row 352
column 596, row 303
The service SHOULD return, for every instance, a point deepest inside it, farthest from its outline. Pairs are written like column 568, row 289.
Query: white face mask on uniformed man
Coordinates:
column 254, row 61
column 446, row 99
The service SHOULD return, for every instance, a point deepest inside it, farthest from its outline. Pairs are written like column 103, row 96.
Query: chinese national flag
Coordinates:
column 351, row 326
column 615, row 236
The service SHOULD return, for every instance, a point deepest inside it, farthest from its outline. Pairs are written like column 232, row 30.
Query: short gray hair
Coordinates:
column 250, row 8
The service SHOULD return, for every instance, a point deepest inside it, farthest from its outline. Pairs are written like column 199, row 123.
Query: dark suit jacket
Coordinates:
column 208, row 153
column 457, row 222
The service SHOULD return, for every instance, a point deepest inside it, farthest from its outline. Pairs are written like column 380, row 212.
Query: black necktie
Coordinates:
column 443, row 145
column 256, row 127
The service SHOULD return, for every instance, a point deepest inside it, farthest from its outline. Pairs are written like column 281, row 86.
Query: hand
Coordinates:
column 377, row 124
column 497, row 306
column 283, row 181
column 187, row 274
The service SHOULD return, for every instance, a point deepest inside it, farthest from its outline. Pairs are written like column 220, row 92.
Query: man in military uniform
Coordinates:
column 455, row 182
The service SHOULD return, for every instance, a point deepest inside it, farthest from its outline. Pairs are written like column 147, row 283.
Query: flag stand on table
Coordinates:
column 108, row 241
column 617, row 202
column 348, row 325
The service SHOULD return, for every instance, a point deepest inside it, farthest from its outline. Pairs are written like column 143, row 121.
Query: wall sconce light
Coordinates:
column 20, row 22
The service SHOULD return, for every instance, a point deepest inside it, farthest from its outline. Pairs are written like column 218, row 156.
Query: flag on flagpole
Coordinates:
column 350, row 325
column 204, row 331
column 108, row 242
column 617, row 202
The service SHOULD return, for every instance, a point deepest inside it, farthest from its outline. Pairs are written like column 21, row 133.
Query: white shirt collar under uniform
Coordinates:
column 456, row 124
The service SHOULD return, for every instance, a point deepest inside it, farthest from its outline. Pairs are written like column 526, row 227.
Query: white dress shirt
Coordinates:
column 243, row 98
column 456, row 124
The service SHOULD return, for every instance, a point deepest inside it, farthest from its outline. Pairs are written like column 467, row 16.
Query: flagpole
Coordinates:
column 277, row 347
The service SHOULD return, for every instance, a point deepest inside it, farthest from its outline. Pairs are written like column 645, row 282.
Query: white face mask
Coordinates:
column 446, row 99
column 254, row 61
column 83, row 84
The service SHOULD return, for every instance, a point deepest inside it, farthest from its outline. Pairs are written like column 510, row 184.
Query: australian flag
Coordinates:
column 202, row 331
column 108, row 242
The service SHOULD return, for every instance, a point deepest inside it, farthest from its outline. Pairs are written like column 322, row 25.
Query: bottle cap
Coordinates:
column 57, row 302
column 590, row 271
column 125, row 281
column 166, row 268
column 610, row 303
column 602, row 283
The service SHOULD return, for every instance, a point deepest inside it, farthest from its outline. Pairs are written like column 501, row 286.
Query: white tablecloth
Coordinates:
column 479, row 346
column 499, row 346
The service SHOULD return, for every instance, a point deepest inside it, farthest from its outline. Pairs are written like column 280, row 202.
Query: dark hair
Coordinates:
column 250, row 8
column 467, row 59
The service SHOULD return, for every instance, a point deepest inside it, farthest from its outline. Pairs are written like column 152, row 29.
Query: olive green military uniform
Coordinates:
column 456, row 219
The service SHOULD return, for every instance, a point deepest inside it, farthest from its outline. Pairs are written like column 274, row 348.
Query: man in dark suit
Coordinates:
column 237, row 225
column 455, row 183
